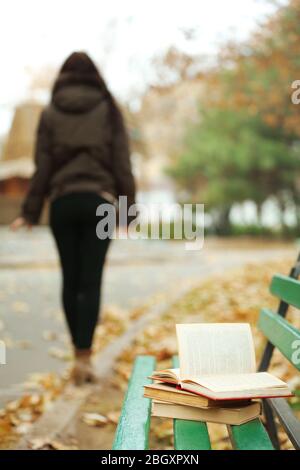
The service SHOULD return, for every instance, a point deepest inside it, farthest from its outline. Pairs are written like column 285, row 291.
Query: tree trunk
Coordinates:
column 223, row 225
column 296, row 201
column 259, row 214
column 282, row 208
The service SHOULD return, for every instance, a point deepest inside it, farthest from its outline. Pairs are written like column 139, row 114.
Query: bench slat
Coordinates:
column 190, row 435
column 250, row 436
column 133, row 428
column 286, row 289
column 281, row 334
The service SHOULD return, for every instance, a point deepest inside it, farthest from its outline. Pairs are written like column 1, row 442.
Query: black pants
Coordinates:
column 73, row 222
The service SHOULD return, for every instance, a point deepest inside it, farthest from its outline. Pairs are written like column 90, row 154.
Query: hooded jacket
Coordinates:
column 81, row 145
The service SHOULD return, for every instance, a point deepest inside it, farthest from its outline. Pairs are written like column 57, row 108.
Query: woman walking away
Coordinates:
column 82, row 161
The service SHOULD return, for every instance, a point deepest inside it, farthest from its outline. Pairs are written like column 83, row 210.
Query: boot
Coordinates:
column 83, row 368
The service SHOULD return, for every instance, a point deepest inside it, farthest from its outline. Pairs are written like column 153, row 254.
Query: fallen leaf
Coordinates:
column 94, row 419
column 23, row 344
column 56, row 445
column 8, row 341
column 37, row 443
column 163, row 429
column 25, row 416
column 23, row 428
column 13, row 405
column 113, row 416
column 14, row 420
column 60, row 353
column 49, row 335
column 20, row 307
column 35, row 399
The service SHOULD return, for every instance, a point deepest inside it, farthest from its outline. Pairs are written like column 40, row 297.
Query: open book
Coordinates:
column 174, row 394
column 217, row 360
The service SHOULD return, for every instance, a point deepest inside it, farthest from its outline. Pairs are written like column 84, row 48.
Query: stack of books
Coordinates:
column 216, row 380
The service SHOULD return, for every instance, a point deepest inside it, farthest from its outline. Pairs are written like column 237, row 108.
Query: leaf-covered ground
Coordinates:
column 41, row 389
column 234, row 296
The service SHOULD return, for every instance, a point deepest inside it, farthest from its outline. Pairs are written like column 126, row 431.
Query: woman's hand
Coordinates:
column 20, row 222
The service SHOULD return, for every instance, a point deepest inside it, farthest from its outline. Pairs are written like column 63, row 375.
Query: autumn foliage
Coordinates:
column 246, row 143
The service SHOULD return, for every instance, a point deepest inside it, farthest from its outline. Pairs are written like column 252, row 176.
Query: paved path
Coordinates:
column 136, row 271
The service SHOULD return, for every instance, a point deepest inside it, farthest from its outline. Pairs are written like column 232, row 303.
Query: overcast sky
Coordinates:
column 121, row 35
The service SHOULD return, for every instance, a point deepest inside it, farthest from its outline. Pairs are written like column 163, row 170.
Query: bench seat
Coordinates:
column 134, row 424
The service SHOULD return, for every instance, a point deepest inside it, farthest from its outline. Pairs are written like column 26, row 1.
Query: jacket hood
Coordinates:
column 77, row 98
column 77, row 93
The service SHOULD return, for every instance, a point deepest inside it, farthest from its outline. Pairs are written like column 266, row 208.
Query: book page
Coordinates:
column 240, row 382
column 215, row 348
column 167, row 373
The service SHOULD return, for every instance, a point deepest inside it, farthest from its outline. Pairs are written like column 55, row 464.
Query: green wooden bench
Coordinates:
column 134, row 424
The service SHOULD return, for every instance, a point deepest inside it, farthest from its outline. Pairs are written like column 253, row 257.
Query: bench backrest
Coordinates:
column 277, row 329
column 286, row 338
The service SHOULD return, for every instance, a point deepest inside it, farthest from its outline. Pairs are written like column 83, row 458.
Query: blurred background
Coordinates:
column 206, row 89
